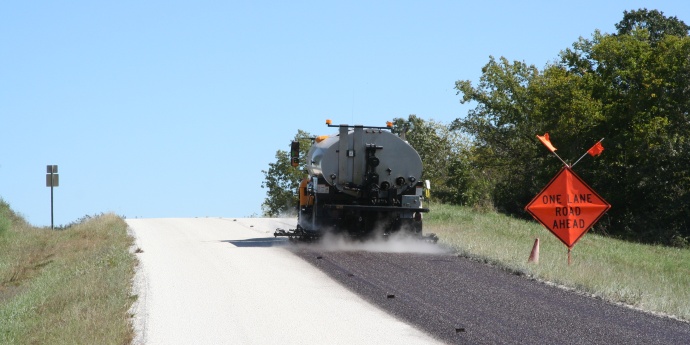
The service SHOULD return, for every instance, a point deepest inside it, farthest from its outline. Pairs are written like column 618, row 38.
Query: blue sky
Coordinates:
column 173, row 108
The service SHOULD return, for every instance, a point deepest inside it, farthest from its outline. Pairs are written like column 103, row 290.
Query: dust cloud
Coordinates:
column 399, row 242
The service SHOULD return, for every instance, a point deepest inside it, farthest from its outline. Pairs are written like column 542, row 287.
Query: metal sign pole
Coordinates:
column 52, row 226
column 559, row 157
column 52, row 180
column 583, row 156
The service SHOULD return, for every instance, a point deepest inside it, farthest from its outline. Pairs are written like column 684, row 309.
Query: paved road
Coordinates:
column 466, row 302
column 226, row 281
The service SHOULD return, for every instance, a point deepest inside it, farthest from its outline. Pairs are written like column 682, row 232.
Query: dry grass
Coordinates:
column 653, row 278
column 70, row 286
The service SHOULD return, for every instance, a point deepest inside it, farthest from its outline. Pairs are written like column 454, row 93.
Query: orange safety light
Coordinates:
column 329, row 122
column 389, row 124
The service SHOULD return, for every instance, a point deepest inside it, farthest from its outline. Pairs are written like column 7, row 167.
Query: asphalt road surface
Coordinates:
column 466, row 302
column 227, row 281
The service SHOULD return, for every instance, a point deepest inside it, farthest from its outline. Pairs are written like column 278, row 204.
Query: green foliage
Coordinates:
column 641, row 76
column 8, row 218
column 516, row 102
column 282, row 179
column 657, row 25
column 4, row 224
column 631, row 88
column 444, row 155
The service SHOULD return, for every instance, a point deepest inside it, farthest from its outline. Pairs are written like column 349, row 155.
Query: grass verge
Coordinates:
column 648, row 277
column 71, row 286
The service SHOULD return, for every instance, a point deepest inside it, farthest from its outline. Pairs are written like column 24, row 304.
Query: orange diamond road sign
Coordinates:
column 567, row 206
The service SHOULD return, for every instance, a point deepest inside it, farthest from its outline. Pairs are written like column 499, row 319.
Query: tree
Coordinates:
column 641, row 76
column 632, row 88
column 515, row 102
column 282, row 179
column 444, row 158
column 656, row 24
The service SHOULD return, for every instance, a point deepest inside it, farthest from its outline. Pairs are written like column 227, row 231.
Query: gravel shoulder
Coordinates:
column 228, row 281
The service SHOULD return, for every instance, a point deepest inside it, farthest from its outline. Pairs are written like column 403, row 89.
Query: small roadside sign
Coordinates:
column 52, row 180
column 567, row 207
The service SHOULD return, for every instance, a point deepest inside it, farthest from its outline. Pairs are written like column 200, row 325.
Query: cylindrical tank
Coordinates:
column 359, row 156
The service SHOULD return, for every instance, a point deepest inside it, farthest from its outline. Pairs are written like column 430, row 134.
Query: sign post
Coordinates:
column 567, row 206
column 52, row 180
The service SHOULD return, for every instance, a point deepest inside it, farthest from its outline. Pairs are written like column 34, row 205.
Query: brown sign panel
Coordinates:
column 52, row 180
column 567, row 206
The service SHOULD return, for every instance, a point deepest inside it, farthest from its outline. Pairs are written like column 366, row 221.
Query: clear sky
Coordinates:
column 173, row 108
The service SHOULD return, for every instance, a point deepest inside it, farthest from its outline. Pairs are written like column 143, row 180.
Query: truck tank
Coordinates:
column 361, row 181
column 364, row 161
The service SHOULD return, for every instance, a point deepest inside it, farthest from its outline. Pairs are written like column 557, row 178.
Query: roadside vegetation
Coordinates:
column 629, row 87
column 68, row 286
column 654, row 278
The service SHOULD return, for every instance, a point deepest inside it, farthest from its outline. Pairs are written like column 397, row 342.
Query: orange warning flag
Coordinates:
column 545, row 140
column 596, row 149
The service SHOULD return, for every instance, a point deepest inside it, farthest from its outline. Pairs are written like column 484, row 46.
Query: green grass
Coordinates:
column 649, row 277
column 71, row 286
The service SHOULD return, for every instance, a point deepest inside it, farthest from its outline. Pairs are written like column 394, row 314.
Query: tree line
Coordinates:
column 631, row 87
